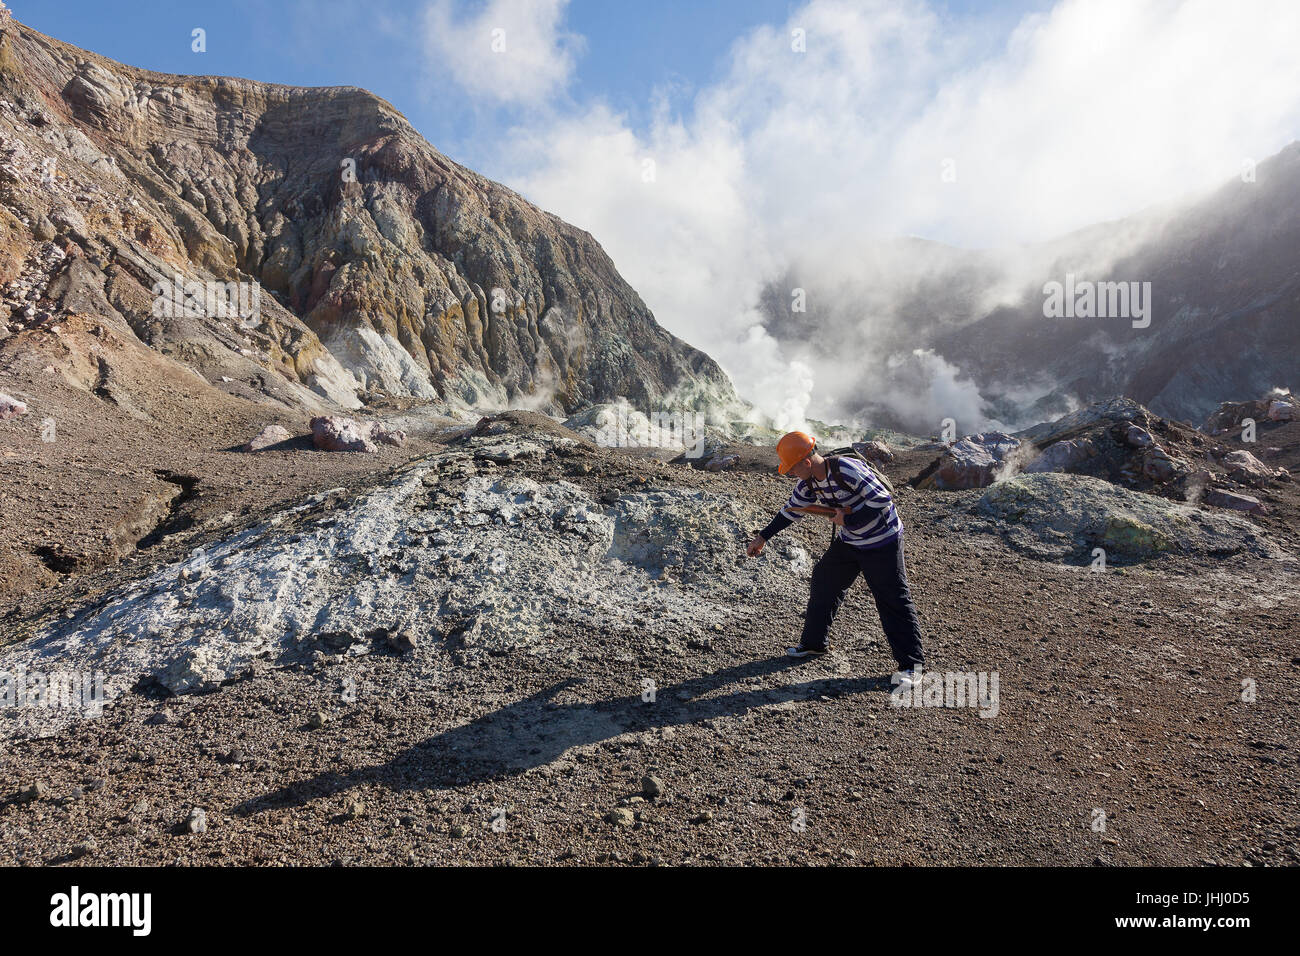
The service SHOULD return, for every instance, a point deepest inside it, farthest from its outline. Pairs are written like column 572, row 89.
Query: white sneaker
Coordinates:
column 904, row 681
column 801, row 651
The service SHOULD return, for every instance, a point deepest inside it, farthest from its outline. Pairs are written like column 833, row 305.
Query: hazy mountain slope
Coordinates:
column 1225, row 286
column 1225, row 316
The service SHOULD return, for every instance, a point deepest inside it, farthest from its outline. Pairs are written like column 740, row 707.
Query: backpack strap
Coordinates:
column 833, row 466
column 833, row 471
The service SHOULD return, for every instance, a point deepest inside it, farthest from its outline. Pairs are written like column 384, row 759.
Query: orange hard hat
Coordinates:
column 793, row 448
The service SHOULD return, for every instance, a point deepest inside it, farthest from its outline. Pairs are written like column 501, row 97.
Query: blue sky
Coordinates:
column 629, row 49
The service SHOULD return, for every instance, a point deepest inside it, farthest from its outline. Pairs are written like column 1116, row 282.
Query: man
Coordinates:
column 869, row 542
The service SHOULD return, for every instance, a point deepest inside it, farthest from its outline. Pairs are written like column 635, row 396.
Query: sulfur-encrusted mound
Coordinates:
column 477, row 565
column 1055, row 516
column 691, row 533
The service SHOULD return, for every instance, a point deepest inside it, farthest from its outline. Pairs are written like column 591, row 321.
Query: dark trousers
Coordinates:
column 886, row 575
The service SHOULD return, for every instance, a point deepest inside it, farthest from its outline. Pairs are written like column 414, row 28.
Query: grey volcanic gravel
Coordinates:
column 1120, row 694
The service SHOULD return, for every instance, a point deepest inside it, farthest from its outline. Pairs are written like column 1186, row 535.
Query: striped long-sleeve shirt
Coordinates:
column 872, row 521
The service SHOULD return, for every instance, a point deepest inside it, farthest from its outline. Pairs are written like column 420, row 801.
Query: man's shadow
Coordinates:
column 536, row 731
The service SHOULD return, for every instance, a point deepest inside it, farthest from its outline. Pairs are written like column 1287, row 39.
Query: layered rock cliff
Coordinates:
column 382, row 266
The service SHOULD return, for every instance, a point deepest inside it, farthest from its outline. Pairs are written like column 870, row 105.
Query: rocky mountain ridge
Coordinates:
column 383, row 266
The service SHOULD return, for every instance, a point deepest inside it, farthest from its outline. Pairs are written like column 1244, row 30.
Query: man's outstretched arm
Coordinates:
column 776, row 525
column 784, row 518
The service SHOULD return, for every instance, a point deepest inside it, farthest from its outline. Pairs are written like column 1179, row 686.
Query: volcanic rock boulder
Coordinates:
column 268, row 436
column 1109, row 412
column 11, row 407
column 1135, row 436
column 1097, row 440
column 1282, row 411
column 1067, row 455
column 972, row 462
column 1233, row 501
column 876, row 452
column 1159, row 467
column 337, row 433
column 722, row 462
column 1119, row 441
column 1277, row 407
column 1246, row 468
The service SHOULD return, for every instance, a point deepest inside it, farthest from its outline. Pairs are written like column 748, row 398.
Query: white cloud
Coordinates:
column 512, row 52
column 1089, row 112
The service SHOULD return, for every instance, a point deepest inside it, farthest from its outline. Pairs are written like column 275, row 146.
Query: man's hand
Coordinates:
column 839, row 516
column 756, row 546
